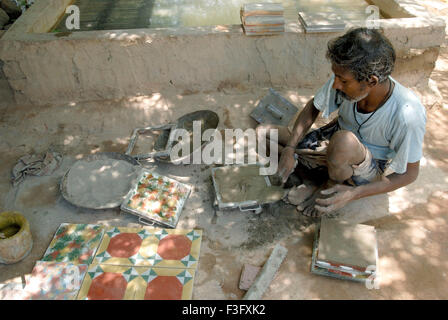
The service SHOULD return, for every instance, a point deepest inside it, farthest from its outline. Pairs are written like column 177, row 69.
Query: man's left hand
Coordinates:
column 341, row 196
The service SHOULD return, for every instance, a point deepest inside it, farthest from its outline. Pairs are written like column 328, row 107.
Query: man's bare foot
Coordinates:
column 307, row 207
column 300, row 194
column 293, row 181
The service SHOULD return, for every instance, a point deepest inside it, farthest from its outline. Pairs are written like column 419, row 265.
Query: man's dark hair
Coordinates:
column 365, row 52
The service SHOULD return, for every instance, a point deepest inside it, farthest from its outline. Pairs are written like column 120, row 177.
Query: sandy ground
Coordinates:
column 412, row 224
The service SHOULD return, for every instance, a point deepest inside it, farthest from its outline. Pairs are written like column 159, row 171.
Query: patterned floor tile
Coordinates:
column 54, row 281
column 75, row 243
column 173, row 248
column 157, row 198
column 110, row 282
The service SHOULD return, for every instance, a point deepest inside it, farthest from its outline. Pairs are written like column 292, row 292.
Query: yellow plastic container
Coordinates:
column 15, row 247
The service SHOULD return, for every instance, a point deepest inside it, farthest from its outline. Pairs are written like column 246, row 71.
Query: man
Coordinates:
column 380, row 125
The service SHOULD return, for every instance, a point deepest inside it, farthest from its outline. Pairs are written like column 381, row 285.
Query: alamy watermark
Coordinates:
column 212, row 153
column 373, row 18
column 72, row 22
column 233, row 143
column 373, row 281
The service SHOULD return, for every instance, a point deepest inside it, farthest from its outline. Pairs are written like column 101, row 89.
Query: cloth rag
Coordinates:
column 35, row 165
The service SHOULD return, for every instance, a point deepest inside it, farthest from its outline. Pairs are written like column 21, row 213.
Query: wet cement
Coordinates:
column 244, row 183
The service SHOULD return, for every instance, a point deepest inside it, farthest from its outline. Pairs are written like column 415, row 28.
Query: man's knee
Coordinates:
column 344, row 150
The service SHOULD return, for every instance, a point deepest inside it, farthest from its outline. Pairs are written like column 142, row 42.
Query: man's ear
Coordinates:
column 373, row 81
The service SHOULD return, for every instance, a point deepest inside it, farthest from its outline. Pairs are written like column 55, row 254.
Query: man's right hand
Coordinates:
column 303, row 123
column 286, row 164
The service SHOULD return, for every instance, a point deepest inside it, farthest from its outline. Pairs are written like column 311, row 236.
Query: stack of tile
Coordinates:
column 262, row 18
column 345, row 251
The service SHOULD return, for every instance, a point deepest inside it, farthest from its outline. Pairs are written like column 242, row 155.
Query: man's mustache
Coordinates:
column 350, row 99
column 343, row 95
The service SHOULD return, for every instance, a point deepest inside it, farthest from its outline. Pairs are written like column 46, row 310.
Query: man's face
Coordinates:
column 347, row 85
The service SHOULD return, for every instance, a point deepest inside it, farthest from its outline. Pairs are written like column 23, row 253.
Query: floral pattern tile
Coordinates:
column 54, row 281
column 75, row 243
column 157, row 198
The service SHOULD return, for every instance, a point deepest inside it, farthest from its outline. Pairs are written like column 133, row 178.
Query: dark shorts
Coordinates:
column 312, row 154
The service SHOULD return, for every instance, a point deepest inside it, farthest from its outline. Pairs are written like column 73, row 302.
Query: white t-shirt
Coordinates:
column 394, row 132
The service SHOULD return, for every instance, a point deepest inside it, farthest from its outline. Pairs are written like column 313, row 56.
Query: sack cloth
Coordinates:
column 35, row 165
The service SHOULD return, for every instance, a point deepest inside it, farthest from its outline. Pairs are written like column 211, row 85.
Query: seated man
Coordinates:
column 380, row 124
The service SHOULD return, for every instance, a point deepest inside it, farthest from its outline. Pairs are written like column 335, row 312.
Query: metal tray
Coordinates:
column 165, row 142
column 250, row 205
column 165, row 146
column 151, row 219
column 98, row 156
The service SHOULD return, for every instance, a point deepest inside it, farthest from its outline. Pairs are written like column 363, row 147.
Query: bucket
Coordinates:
column 16, row 241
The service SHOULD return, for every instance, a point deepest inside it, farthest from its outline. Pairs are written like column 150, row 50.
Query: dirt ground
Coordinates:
column 412, row 223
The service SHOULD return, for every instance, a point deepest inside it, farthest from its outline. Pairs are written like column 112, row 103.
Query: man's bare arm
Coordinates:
column 340, row 195
column 389, row 183
column 303, row 123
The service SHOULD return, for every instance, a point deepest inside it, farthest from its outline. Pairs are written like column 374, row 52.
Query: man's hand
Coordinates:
column 341, row 196
column 286, row 164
